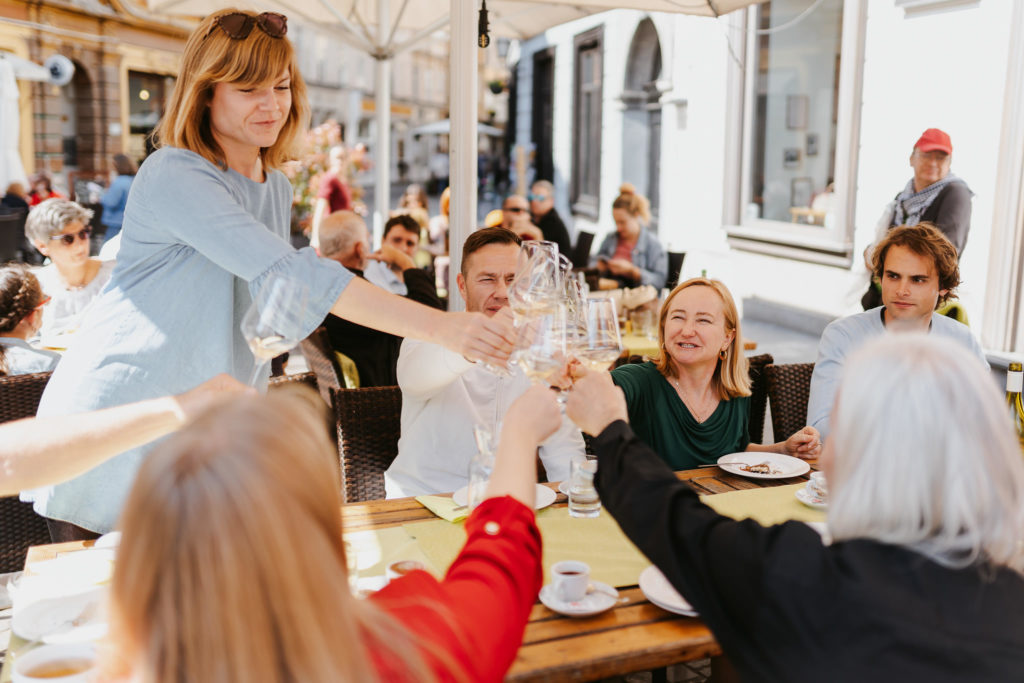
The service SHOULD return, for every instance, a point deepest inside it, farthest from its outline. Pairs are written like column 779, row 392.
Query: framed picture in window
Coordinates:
column 800, row 192
column 791, row 157
column 812, row 144
column 796, row 112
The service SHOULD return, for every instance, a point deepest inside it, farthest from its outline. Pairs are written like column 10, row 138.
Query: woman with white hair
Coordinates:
column 60, row 230
column 924, row 578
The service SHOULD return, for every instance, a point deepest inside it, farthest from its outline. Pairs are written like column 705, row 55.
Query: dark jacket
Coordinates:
column 950, row 212
column 554, row 230
column 785, row 607
column 375, row 353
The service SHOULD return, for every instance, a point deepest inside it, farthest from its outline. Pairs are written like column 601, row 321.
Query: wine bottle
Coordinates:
column 1014, row 382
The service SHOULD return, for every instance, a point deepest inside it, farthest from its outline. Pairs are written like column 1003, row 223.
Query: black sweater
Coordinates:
column 785, row 607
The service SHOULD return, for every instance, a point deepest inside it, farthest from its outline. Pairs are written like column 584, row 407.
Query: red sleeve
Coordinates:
column 478, row 613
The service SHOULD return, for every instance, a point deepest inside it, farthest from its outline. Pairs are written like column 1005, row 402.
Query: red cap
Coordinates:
column 933, row 139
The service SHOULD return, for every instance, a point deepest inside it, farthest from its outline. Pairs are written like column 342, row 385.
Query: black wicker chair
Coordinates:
column 321, row 360
column 789, row 387
column 758, row 395
column 20, row 526
column 368, row 424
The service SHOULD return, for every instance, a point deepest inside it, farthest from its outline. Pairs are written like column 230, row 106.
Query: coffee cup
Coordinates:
column 401, row 568
column 63, row 663
column 817, row 486
column 570, row 579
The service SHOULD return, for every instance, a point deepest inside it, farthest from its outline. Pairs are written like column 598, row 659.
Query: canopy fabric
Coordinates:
column 11, row 169
column 444, row 127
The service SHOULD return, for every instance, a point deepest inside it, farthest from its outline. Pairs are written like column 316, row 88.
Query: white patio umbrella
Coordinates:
column 444, row 127
column 384, row 28
column 11, row 168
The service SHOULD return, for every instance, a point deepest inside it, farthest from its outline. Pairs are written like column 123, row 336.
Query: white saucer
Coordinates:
column 783, row 466
column 72, row 618
column 595, row 602
column 544, row 497
column 660, row 592
column 810, row 501
column 563, row 487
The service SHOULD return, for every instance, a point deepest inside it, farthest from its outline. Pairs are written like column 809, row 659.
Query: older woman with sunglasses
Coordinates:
column 59, row 229
column 206, row 225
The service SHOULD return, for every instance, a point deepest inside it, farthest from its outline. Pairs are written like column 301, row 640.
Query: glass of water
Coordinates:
column 583, row 498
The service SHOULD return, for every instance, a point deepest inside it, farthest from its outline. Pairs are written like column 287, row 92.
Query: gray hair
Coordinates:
column 544, row 185
column 52, row 216
column 340, row 231
column 925, row 455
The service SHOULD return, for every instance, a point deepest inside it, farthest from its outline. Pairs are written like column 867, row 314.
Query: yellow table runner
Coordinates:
column 599, row 542
column 767, row 506
column 640, row 345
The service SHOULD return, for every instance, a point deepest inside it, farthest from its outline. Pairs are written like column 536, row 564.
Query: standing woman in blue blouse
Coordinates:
column 206, row 223
column 116, row 196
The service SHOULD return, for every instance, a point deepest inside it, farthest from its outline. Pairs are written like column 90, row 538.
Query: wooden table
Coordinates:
column 635, row 636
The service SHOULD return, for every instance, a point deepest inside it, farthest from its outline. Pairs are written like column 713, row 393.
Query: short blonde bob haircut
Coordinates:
column 731, row 378
column 925, row 455
column 212, row 57
column 232, row 565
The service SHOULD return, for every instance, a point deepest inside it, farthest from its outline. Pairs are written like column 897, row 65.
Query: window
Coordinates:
column 798, row 157
column 586, row 166
column 148, row 96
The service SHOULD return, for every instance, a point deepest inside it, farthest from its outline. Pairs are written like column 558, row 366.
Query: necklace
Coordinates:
column 698, row 414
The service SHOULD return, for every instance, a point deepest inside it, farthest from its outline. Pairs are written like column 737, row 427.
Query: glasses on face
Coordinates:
column 238, row 25
column 516, row 209
column 537, row 197
column 69, row 238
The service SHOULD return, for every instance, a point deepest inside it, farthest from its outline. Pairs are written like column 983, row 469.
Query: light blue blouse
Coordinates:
column 197, row 242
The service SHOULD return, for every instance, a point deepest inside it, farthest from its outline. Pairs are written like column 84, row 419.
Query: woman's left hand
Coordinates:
column 804, row 444
column 478, row 337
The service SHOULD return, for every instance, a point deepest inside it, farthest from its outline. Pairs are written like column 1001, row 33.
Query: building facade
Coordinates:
column 769, row 141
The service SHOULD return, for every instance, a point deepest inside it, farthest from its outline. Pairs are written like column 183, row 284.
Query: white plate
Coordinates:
column 595, row 602
column 810, row 501
column 659, row 591
column 72, row 618
column 787, row 465
column 544, row 497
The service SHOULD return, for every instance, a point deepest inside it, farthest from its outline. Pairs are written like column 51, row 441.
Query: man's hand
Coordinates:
column 195, row 402
column 595, row 402
column 804, row 444
column 478, row 337
column 396, row 260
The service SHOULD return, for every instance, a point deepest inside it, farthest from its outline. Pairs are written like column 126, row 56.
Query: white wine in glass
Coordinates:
column 599, row 343
column 273, row 324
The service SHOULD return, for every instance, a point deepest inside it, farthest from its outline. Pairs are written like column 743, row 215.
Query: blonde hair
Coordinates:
column 212, row 57
column 731, row 378
column 232, row 565
column 925, row 455
column 636, row 205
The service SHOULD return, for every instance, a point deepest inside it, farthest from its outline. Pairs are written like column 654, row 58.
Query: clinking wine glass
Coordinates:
column 541, row 350
column 599, row 343
column 273, row 324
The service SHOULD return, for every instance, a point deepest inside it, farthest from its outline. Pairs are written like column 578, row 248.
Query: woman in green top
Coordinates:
column 692, row 403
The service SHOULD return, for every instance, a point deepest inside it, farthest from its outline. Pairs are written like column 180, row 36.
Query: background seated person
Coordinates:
column 345, row 239
column 444, row 395
column 59, row 229
column 632, row 255
column 692, row 404
column 401, row 232
column 918, row 269
column 16, row 199
column 21, row 315
column 264, row 468
column 515, row 216
column 924, row 577
column 545, row 216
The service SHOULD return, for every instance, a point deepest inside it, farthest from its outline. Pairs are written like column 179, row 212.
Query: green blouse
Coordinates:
column 664, row 423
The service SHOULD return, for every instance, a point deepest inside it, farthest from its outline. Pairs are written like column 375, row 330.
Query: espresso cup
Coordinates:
column 399, row 569
column 817, row 486
column 63, row 663
column 570, row 579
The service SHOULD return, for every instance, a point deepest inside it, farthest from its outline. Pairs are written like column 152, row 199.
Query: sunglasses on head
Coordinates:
column 69, row 238
column 537, row 197
column 238, row 25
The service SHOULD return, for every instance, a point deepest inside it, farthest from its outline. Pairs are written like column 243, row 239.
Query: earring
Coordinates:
column 721, row 354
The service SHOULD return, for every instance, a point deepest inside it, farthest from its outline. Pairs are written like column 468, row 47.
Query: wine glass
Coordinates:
column 537, row 285
column 273, row 324
column 599, row 343
column 541, row 347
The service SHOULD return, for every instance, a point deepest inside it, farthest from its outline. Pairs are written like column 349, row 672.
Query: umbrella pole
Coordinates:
column 463, row 139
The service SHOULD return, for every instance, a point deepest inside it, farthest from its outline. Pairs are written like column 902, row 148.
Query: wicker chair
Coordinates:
column 758, row 395
column 789, row 387
column 320, row 358
column 368, row 425
column 20, row 526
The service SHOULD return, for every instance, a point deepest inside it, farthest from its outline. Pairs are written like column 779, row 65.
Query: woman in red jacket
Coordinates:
column 232, row 566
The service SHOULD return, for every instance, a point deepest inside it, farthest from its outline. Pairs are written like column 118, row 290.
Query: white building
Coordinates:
column 728, row 124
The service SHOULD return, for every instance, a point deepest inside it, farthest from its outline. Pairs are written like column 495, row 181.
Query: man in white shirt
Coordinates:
column 403, row 233
column 444, row 395
column 917, row 266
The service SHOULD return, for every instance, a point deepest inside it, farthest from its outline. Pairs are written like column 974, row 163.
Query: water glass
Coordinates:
column 482, row 464
column 583, row 498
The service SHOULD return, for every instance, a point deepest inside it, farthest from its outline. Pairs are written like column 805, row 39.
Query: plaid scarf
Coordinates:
column 911, row 205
